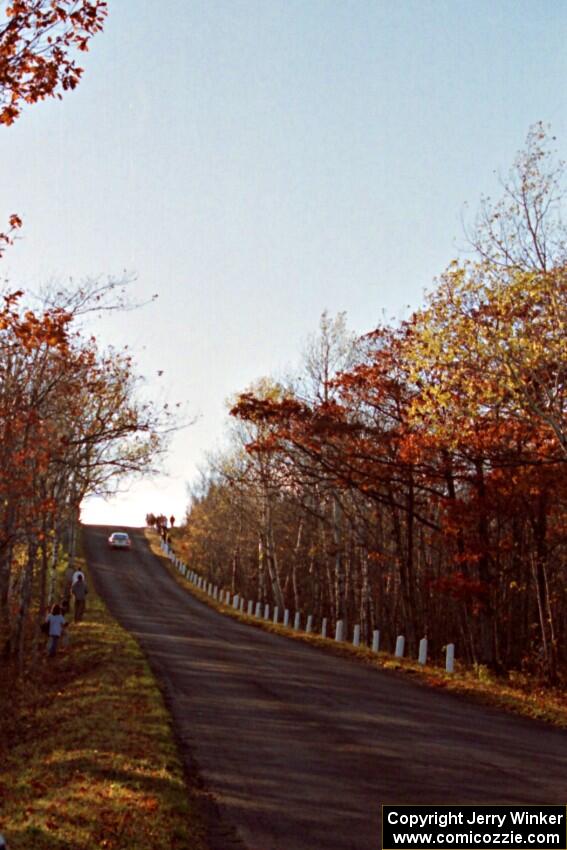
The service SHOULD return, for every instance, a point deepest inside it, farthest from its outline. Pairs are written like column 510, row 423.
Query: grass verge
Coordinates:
column 516, row 694
column 87, row 754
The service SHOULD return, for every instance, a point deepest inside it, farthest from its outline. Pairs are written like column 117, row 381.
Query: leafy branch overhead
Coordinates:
column 37, row 45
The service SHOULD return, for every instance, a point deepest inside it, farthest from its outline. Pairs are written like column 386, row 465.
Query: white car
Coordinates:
column 119, row 540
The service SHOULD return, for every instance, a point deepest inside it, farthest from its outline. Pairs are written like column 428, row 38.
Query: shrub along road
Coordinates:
column 300, row 748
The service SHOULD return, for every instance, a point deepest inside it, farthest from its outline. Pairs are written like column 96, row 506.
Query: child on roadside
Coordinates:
column 56, row 623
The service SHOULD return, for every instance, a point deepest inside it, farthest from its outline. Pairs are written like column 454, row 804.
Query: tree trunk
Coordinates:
column 340, row 606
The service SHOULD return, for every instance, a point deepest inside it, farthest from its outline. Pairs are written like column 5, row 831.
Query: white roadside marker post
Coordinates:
column 450, row 658
column 339, row 630
column 309, row 626
column 235, row 601
column 241, row 605
column 400, row 646
column 266, row 612
column 286, row 618
column 258, row 609
column 276, row 614
column 375, row 640
column 356, row 636
column 422, row 658
column 297, row 621
column 250, row 606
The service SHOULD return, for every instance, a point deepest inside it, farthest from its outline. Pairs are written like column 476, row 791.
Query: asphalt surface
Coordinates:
column 300, row 748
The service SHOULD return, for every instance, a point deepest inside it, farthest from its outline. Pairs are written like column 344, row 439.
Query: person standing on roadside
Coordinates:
column 76, row 575
column 56, row 623
column 79, row 591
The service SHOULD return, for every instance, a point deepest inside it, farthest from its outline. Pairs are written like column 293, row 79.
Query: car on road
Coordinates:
column 119, row 540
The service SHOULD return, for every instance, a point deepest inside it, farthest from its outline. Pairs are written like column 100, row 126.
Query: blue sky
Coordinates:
column 256, row 162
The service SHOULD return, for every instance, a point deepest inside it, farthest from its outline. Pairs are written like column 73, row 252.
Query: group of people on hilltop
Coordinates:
column 159, row 522
column 75, row 587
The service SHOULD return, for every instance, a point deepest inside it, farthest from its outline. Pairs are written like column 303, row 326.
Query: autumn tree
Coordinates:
column 38, row 41
column 489, row 359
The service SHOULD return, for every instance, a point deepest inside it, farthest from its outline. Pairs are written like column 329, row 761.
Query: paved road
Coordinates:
column 300, row 748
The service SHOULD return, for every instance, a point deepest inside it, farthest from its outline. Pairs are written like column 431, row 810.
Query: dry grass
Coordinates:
column 87, row 753
column 516, row 694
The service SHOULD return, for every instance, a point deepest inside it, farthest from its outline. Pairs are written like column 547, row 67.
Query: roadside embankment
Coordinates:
column 87, row 753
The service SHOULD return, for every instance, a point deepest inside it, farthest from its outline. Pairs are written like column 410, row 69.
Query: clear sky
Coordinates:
column 258, row 161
